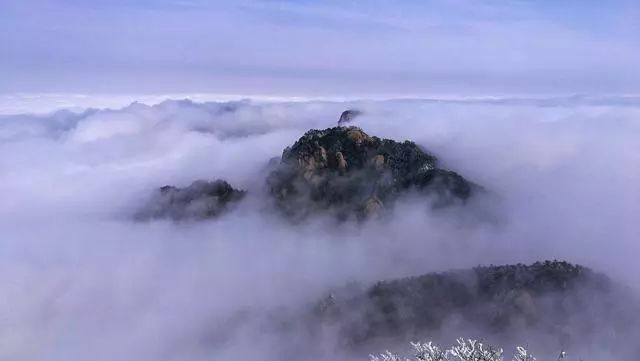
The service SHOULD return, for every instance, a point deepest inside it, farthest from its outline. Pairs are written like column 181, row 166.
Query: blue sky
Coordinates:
column 306, row 47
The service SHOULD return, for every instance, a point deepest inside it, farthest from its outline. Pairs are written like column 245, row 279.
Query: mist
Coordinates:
column 81, row 279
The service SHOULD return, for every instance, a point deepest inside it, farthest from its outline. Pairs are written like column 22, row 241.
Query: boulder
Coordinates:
column 348, row 116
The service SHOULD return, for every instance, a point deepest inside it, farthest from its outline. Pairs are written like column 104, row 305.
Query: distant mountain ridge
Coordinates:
column 200, row 200
column 562, row 299
column 565, row 306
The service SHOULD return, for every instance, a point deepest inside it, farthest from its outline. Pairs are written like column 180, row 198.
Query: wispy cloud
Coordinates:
column 312, row 47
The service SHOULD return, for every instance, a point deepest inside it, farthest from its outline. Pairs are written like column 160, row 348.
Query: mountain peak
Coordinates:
column 350, row 173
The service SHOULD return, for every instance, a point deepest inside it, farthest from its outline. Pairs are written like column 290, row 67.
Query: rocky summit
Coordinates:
column 349, row 173
column 202, row 199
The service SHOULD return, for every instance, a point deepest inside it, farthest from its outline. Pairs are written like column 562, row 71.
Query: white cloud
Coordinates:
column 82, row 281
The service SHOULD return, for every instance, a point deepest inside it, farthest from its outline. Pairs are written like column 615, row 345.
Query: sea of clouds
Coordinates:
column 80, row 280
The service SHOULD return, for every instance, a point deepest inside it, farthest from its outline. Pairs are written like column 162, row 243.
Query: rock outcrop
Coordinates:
column 348, row 116
column 348, row 173
column 200, row 200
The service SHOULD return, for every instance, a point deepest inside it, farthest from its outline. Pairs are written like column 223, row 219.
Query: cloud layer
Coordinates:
column 81, row 280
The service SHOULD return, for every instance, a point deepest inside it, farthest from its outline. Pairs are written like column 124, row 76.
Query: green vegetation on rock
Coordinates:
column 345, row 171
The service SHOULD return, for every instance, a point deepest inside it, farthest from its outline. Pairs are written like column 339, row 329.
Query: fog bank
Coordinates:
column 81, row 280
